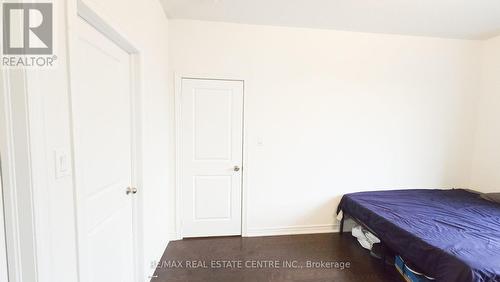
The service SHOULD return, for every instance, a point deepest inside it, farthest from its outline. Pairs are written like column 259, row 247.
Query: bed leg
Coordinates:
column 342, row 224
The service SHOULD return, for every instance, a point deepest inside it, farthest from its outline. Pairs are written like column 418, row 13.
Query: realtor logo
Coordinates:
column 27, row 35
column 27, row 29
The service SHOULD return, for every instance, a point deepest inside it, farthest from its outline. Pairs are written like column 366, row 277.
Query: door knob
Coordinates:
column 131, row 190
column 236, row 168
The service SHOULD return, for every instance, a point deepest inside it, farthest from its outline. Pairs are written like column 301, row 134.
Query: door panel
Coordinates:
column 102, row 132
column 212, row 197
column 211, row 136
column 118, row 248
column 212, row 124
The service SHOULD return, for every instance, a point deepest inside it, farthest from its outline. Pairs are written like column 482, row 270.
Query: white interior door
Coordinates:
column 211, row 162
column 102, row 133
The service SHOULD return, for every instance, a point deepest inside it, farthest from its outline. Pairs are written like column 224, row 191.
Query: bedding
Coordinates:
column 493, row 197
column 452, row 235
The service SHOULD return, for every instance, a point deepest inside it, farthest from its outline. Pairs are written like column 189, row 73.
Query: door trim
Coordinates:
column 4, row 267
column 20, row 159
column 178, row 145
column 93, row 14
column 8, row 186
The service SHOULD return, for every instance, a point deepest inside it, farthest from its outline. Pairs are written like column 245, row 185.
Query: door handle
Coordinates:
column 236, row 168
column 131, row 190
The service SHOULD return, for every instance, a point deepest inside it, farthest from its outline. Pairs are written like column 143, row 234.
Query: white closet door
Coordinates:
column 102, row 121
column 212, row 147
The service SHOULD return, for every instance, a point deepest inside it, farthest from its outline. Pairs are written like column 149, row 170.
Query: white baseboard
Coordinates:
column 292, row 230
column 172, row 236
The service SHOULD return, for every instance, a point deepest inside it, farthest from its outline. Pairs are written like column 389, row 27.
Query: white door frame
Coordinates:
column 97, row 17
column 178, row 145
column 8, row 188
column 4, row 272
column 17, row 137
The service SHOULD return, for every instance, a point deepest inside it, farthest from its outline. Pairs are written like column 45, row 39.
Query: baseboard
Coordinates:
column 172, row 236
column 292, row 230
column 149, row 268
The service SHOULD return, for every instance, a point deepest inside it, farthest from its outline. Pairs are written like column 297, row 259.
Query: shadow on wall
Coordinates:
column 325, row 211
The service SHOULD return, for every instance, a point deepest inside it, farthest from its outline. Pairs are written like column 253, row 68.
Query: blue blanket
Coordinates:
column 452, row 235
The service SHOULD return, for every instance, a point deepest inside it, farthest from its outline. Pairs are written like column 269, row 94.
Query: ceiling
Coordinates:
column 464, row 19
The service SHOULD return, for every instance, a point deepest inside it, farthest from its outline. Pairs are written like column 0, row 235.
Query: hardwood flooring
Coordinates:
column 315, row 257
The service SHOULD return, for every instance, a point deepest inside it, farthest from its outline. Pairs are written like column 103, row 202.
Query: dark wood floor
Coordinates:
column 279, row 258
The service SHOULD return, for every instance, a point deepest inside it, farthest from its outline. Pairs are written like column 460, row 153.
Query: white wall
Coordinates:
column 337, row 112
column 145, row 23
column 485, row 175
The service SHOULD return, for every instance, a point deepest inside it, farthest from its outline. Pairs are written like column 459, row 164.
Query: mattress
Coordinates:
column 452, row 235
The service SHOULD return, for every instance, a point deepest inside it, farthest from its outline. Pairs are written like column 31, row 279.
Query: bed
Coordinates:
column 452, row 235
